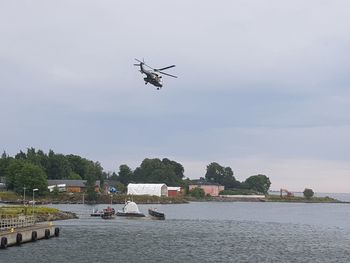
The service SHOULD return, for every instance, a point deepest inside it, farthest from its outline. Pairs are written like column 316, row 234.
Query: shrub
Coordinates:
column 308, row 193
column 197, row 192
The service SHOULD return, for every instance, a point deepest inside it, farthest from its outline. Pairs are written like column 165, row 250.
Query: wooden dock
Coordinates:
column 18, row 230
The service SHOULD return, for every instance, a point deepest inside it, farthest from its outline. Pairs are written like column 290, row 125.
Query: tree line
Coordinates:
column 172, row 174
column 224, row 176
column 32, row 169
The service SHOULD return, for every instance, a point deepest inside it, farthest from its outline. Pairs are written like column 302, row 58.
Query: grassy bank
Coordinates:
column 26, row 210
column 301, row 199
column 9, row 196
column 41, row 213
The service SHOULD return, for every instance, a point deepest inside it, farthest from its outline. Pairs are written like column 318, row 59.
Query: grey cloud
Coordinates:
column 257, row 80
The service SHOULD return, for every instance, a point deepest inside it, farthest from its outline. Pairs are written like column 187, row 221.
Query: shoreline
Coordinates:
column 61, row 215
column 212, row 199
column 143, row 199
column 42, row 213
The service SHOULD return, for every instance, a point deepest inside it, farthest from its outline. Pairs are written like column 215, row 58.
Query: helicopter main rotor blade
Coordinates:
column 143, row 63
column 160, row 69
column 138, row 60
column 167, row 74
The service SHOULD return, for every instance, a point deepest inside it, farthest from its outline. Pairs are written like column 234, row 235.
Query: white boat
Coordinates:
column 130, row 209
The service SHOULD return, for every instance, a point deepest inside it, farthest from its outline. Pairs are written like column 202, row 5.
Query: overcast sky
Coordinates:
column 263, row 86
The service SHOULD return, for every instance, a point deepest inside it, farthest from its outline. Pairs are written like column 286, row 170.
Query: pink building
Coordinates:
column 209, row 189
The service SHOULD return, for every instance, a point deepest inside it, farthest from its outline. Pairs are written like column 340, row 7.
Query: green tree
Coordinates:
column 74, row 176
column 260, row 183
column 13, row 171
column 31, row 176
column 78, row 165
column 125, row 174
column 33, row 157
column 58, row 166
column 308, row 193
column 90, row 188
column 176, row 167
column 21, row 156
column 55, row 166
column 221, row 175
column 4, row 155
column 121, row 188
column 94, row 172
column 4, row 163
column 185, row 185
column 159, row 171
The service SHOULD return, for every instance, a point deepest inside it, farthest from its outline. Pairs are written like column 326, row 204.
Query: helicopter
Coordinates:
column 152, row 75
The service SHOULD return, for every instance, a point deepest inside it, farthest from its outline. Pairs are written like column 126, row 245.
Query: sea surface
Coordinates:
column 199, row 232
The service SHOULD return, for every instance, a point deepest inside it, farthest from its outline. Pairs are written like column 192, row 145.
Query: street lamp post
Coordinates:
column 24, row 195
column 34, row 190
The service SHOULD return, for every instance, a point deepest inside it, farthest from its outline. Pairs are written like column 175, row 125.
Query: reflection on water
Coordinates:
column 199, row 232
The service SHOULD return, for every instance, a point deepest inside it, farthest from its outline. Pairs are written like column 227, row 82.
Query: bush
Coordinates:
column 55, row 191
column 308, row 193
column 197, row 192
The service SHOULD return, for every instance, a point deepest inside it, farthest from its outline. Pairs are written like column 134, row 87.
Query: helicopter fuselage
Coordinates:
column 151, row 77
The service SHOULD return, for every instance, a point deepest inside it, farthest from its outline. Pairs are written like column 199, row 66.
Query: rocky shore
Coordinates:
column 60, row 215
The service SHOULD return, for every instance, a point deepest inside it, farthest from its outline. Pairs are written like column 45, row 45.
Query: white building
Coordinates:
column 60, row 187
column 148, row 189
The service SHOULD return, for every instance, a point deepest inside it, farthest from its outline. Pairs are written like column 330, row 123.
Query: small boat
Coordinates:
column 95, row 212
column 107, row 210
column 108, row 213
column 155, row 214
column 130, row 209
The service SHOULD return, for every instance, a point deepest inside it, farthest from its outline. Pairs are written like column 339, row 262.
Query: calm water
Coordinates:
column 200, row 232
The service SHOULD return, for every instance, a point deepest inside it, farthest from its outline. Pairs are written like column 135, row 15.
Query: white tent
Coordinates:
column 148, row 189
